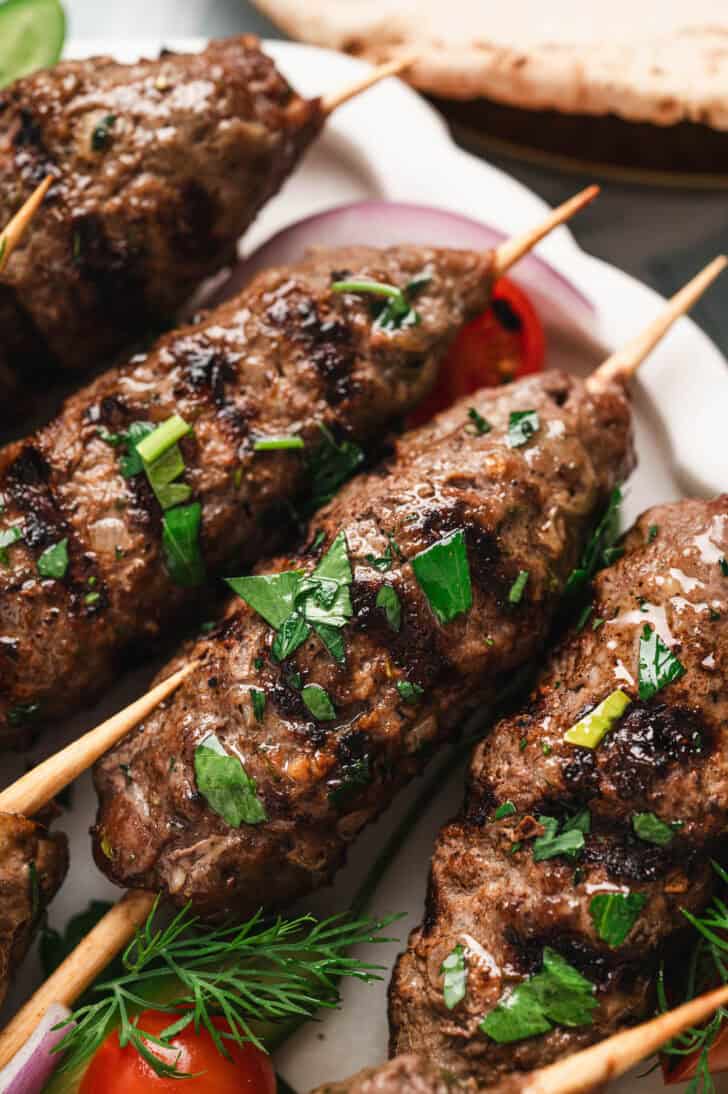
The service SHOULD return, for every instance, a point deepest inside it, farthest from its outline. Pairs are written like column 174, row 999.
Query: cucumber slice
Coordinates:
column 31, row 36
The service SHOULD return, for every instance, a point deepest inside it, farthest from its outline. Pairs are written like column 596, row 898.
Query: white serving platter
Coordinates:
column 389, row 144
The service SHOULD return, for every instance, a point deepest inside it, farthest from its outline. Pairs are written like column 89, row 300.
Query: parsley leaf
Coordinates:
column 225, row 784
column 329, row 465
column 443, row 574
column 477, row 425
column 389, row 602
column 270, row 595
column 557, row 995
column 568, row 842
column 455, row 977
column 505, row 809
column 181, row 545
column 257, row 697
column 8, row 537
column 658, row 666
column 318, row 702
column 522, row 424
column 651, row 829
column 615, row 914
column 292, row 633
column 411, row 693
column 53, row 563
column 601, row 540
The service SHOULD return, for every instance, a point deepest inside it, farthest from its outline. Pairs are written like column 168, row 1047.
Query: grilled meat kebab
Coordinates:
column 33, row 863
column 423, row 583
column 403, row 1075
column 287, row 363
column 160, row 167
column 589, row 821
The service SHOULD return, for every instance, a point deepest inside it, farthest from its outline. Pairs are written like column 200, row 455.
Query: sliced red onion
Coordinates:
column 385, row 223
column 30, row 1069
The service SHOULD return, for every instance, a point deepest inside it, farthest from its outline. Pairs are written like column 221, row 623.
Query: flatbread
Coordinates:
column 660, row 61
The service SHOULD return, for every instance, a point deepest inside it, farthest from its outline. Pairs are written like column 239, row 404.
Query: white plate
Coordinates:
column 391, row 144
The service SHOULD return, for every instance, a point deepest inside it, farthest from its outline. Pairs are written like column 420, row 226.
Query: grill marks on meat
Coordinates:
column 666, row 756
column 160, row 167
column 33, row 864
column 234, row 375
column 322, row 782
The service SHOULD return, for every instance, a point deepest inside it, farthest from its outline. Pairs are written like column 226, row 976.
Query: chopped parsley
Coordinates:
column 590, row 730
column 411, row 693
column 389, row 602
column 599, row 543
column 658, row 666
column 723, row 563
column 569, row 841
column 652, row 532
column 650, row 829
column 455, row 977
column 8, row 537
column 53, row 563
column 385, row 562
column 515, row 594
column 356, row 772
column 318, row 702
column 477, row 425
column 392, row 307
column 505, row 809
column 101, row 134
column 522, row 424
column 257, row 698
column 615, row 914
column 294, row 603
column 277, row 444
column 225, row 784
column 443, row 574
column 181, row 545
column 329, row 465
column 558, row 995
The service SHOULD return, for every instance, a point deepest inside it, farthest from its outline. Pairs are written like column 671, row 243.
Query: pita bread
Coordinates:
column 660, row 61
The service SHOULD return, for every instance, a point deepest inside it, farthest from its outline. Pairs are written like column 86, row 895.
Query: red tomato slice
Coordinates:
column 505, row 342
column 678, row 1069
column 116, row 1070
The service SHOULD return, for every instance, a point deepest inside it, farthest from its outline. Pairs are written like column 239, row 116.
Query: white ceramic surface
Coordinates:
column 390, row 144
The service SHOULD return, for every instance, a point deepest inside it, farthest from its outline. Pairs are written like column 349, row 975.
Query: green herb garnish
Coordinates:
column 443, row 574
column 394, row 310
column 615, row 914
column 318, row 702
column 505, row 809
column 181, row 545
column 515, row 594
column 455, row 977
column 329, row 465
column 101, row 133
column 522, row 424
column 277, row 444
column 53, row 563
column 477, row 425
column 558, row 995
column 600, row 541
column 569, row 841
column 652, row 532
column 590, row 730
column 389, row 602
column 658, row 666
column 225, row 784
column 651, row 829
column 8, row 537
column 257, row 697
column 411, row 693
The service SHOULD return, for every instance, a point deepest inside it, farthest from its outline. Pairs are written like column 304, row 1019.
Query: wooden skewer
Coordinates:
column 41, row 784
column 79, row 970
column 623, row 364
column 332, row 102
column 611, row 1058
column 17, row 227
column 513, row 249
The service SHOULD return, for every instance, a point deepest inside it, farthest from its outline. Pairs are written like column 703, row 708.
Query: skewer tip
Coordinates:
column 513, row 249
column 623, row 364
column 16, row 229
column 332, row 102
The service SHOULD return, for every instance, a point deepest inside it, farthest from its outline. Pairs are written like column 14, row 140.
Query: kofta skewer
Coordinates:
column 261, row 404
column 587, row 1070
column 590, row 820
column 62, row 984
column 158, row 168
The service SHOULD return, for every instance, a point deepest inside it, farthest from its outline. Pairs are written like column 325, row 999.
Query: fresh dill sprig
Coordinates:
column 264, row 970
column 707, row 966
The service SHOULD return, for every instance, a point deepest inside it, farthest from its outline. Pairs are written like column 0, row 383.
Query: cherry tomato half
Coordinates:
column 116, row 1070
column 505, row 342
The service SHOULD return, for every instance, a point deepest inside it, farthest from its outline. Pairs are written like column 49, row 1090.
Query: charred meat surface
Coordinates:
column 159, row 167
column 287, row 358
column 33, row 863
column 590, row 851
column 434, row 543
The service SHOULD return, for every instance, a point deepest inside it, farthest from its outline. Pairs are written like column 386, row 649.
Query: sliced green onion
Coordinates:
column 156, row 443
column 591, row 729
column 277, row 444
